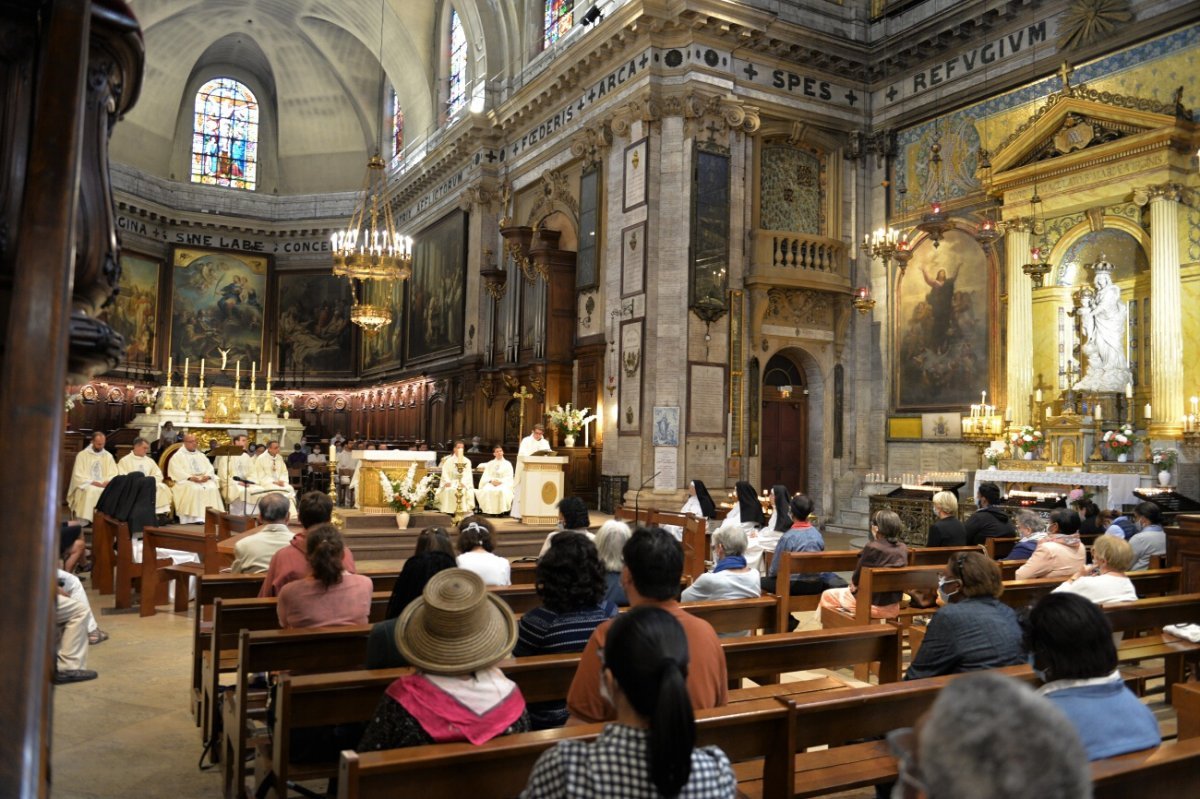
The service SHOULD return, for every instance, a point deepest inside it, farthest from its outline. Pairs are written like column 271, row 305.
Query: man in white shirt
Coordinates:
column 534, row 442
column 272, row 474
column 253, row 553
column 94, row 468
column 139, row 461
column 195, row 480
column 495, row 492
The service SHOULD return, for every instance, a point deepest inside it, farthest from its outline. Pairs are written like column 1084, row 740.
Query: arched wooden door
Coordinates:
column 784, row 426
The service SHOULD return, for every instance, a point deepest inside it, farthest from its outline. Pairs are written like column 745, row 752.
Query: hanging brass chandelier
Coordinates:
column 369, row 252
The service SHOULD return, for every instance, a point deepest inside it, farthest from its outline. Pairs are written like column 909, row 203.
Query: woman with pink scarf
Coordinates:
column 1060, row 553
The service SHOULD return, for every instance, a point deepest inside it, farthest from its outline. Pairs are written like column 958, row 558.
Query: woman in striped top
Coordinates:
column 570, row 581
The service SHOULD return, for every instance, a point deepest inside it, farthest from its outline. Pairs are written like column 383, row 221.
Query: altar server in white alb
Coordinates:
column 94, row 467
column 495, row 492
column 457, row 473
column 534, row 442
column 195, row 481
column 139, row 461
column 272, row 475
column 231, row 469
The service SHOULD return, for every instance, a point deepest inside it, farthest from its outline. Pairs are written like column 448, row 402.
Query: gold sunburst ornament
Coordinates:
column 1086, row 22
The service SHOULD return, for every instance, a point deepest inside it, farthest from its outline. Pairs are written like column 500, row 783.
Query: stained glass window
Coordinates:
column 225, row 135
column 397, row 126
column 559, row 18
column 458, row 64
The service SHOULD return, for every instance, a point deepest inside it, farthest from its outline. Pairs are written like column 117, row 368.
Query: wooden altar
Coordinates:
column 393, row 463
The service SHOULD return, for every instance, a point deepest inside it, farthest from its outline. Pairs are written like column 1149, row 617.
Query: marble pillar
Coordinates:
column 1166, row 312
column 1019, row 345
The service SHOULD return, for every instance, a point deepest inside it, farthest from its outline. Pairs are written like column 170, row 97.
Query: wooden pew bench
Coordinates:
column 350, row 697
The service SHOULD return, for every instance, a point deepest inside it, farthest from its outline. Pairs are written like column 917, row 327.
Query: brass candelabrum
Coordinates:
column 201, row 403
column 168, row 405
column 336, row 517
column 459, row 512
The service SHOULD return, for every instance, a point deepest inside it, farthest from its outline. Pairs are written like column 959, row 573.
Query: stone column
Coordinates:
column 1019, row 345
column 1166, row 313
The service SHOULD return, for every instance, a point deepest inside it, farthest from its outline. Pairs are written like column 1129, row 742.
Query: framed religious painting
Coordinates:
column 940, row 323
column 218, row 304
column 381, row 351
column 437, row 291
column 313, row 334
column 134, row 309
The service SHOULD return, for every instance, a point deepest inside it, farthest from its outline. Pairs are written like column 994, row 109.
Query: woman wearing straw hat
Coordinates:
column 454, row 635
column 650, row 750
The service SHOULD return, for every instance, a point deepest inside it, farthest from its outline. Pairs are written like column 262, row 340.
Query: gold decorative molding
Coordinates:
column 1169, row 191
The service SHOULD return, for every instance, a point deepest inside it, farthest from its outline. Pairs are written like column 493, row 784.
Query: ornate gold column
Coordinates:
column 1166, row 313
column 1019, row 345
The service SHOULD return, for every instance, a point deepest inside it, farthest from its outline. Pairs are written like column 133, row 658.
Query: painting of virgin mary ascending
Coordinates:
column 217, row 305
column 941, row 326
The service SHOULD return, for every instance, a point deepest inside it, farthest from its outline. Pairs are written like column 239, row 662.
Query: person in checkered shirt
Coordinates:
column 650, row 751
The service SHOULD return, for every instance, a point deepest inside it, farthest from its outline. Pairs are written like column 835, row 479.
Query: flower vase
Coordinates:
column 569, row 440
column 402, row 520
column 991, row 467
column 1122, row 457
column 149, row 410
column 1028, row 455
column 1164, row 478
column 287, row 414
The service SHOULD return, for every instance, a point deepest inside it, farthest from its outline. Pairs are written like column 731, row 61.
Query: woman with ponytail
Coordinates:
column 329, row 596
column 649, row 752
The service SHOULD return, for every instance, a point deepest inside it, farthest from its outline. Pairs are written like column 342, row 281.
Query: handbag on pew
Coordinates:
column 1187, row 631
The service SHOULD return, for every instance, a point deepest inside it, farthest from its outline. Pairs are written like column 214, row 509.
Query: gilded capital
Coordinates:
column 1168, row 191
column 1017, row 224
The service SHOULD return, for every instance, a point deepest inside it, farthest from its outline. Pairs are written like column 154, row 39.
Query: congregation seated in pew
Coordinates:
column 290, row 562
column 653, row 566
column 1150, row 538
column 610, row 542
column 1060, row 553
column 1070, row 643
column 454, row 636
column 1104, row 581
column 476, row 552
column 730, row 578
column 1030, row 530
column 947, row 531
column 802, row 536
column 650, row 748
column 416, row 574
column 330, row 595
column 572, row 517
column 884, row 550
column 254, row 553
column 570, row 582
column 974, row 630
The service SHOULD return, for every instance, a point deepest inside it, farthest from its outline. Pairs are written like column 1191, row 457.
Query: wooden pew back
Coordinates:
column 806, row 563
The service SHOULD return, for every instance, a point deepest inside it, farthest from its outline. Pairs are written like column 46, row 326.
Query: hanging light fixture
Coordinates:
column 1039, row 263
column 369, row 252
column 934, row 223
column 863, row 302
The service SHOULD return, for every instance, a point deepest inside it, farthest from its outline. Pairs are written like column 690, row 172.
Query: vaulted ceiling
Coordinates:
column 315, row 67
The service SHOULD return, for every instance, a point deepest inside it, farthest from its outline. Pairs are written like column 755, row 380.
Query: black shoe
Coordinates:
column 73, row 675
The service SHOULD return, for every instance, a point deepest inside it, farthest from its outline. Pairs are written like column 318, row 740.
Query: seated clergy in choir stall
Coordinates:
column 139, row 461
column 534, row 442
column 94, row 467
column 239, row 497
column 195, row 481
column 456, row 474
column 495, row 492
column 272, row 475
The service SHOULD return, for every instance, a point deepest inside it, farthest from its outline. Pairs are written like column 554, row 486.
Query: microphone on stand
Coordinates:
column 637, row 495
column 245, row 492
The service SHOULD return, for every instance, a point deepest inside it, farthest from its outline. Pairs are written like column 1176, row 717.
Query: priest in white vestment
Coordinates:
column 195, row 480
column 240, row 498
column 272, row 475
column 495, row 492
column 139, row 461
column 457, row 473
column 534, row 442
column 94, row 468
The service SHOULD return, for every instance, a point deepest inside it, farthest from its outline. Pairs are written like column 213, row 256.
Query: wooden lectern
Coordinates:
column 541, row 487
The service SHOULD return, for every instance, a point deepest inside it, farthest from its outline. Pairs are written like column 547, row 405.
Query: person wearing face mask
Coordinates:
column 974, row 630
column 1060, row 553
column 1150, row 539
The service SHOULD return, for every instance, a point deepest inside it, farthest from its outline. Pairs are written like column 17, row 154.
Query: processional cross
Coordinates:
column 520, row 397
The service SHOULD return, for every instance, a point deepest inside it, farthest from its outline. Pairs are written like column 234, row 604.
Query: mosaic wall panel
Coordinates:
column 790, row 190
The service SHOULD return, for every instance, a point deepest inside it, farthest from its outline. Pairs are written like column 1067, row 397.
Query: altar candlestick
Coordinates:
column 253, row 373
column 202, row 370
column 1146, row 411
column 1038, row 396
column 1129, row 391
column 268, row 371
column 1195, row 405
column 1096, row 412
column 186, row 363
column 1048, row 410
column 983, row 399
column 237, row 380
column 170, row 362
column 1007, row 414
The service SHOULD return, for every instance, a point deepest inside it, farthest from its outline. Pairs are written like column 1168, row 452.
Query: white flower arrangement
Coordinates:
column 1027, row 439
column 1120, row 441
column 1165, row 459
column 993, row 454
column 71, row 399
column 570, row 420
column 403, row 494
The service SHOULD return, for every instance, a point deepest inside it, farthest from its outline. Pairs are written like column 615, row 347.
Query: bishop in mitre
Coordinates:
column 240, row 497
column 139, row 461
column 195, row 482
column 271, row 474
column 457, row 473
column 534, row 442
column 495, row 492
column 94, row 467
